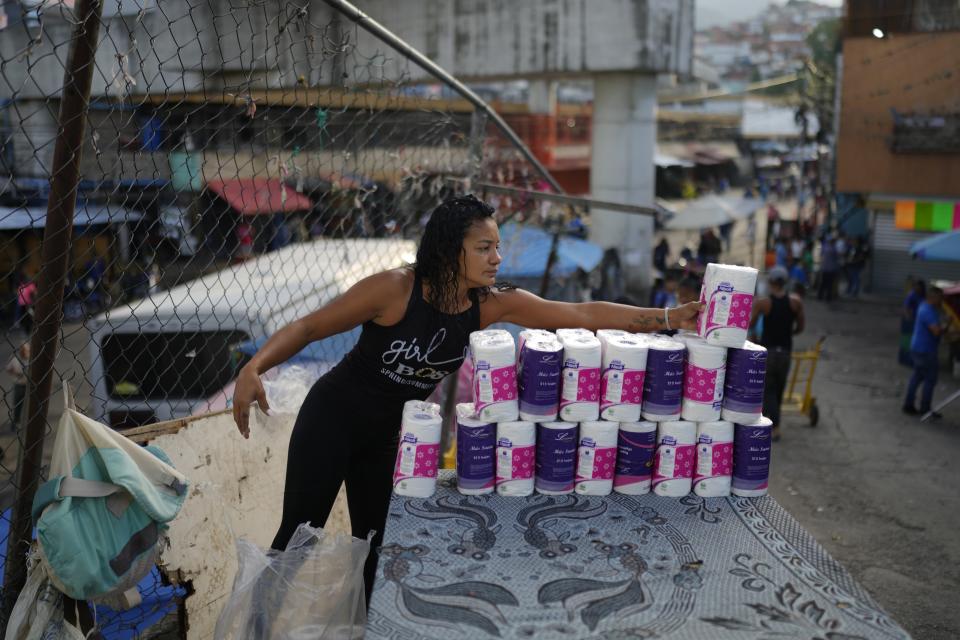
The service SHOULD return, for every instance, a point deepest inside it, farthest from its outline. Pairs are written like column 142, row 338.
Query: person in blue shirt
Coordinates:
column 927, row 329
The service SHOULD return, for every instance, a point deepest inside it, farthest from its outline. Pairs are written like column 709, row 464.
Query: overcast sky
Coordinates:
column 714, row 12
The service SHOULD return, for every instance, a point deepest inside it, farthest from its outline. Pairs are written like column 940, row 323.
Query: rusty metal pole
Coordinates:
column 44, row 343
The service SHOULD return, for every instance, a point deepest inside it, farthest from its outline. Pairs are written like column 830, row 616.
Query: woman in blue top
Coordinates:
column 907, row 317
column 416, row 325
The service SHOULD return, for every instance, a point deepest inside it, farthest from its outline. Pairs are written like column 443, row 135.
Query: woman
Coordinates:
column 416, row 325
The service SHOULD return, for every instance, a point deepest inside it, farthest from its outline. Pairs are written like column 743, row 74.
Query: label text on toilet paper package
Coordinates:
column 673, row 460
column 595, row 463
column 514, row 463
column 727, row 308
column 621, row 386
column 703, row 385
column 580, row 384
column 713, row 459
column 494, row 385
column 415, row 459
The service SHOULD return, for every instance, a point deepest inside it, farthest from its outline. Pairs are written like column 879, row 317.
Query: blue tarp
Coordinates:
column 943, row 246
column 330, row 349
column 525, row 251
column 158, row 599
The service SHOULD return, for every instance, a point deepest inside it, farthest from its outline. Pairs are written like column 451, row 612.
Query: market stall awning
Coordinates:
column 943, row 247
column 35, row 217
column 710, row 211
column 525, row 251
column 255, row 196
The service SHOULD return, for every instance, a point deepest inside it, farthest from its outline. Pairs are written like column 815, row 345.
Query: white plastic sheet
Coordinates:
column 314, row 590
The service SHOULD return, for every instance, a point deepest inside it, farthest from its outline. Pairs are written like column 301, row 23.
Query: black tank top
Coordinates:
column 406, row 360
column 778, row 324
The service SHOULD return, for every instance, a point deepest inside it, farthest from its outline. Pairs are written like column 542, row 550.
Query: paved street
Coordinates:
column 876, row 488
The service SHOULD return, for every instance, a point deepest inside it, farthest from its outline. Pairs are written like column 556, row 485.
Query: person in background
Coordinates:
column 688, row 290
column 667, row 295
column 918, row 292
column 660, row 255
column 927, row 329
column 17, row 368
column 829, row 267
column 782, row 314
column 26, row 296
column 780, row 251
column 710, row 247
column 855, row 264
column 798, row 274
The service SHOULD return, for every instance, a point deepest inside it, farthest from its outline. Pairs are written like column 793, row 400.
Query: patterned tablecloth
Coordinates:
column 454, row 566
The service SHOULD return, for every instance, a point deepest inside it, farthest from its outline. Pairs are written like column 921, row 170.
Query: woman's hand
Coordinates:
column 685, row 316
column 247, row 390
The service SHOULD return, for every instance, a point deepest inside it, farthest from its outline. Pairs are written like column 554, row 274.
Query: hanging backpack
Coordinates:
column 101, row 517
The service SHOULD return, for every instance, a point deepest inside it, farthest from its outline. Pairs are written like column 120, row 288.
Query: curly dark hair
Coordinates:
column 438, row 257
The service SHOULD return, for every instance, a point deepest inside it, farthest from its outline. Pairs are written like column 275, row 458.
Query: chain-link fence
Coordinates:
column 241, row 163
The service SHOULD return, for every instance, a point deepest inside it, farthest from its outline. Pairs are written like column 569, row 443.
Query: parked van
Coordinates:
column 165, row 356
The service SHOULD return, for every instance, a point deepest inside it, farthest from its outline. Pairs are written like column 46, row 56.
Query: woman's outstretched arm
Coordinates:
column 528, row 310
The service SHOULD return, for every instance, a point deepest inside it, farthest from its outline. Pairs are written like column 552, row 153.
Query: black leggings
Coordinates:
column 333, row 443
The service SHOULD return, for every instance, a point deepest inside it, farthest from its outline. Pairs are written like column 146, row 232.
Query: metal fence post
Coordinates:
column 64, row 179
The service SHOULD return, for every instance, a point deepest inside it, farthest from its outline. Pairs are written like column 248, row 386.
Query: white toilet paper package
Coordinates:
column 703, row 379
column 418, row 455
column 623, row 367
column 727, row 295
column 516, row 458
column 712, row 477
column 580, row 385
column 596, row 457
column 494, row 375
column 674, row 459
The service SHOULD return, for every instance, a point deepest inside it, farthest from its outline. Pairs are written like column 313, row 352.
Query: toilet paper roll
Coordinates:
column 703, row 380
column 674, row 459
column 743, row 384
column 623, row 367
column 527, row 334
column 538, row 376
column 727, row 295
column 596, row 457
column 714, row 459
column 515, row 458
column 663, row 382
column 476, row 452
column 573, row 332
column 556, row 462
column 635, row 446
column 418, row 455
column 751, row 458
column 494, row 375
column 580, row 378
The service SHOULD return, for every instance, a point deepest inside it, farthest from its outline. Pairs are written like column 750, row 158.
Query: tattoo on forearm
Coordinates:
column 646, row 323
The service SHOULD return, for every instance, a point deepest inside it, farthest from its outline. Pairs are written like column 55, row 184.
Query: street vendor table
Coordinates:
column 455, row 566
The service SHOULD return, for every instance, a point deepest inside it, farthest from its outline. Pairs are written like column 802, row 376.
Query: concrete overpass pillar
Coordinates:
column 621, row 167
column 542, row 103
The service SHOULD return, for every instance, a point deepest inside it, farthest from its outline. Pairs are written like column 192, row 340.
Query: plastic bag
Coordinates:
column 313, row 590
column 38, row 612
column 287, row 391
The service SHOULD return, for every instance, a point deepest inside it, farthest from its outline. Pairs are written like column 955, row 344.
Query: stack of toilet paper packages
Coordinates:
column 418, row 455
column 539, row 360
column 623, row 367
column 598, row 413
column 494, row 375
column 727, row 296
column 580, row 377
